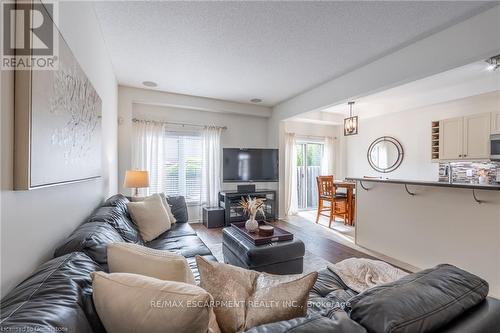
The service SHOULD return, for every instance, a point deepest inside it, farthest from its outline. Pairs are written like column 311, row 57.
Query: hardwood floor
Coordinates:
column 315, row 240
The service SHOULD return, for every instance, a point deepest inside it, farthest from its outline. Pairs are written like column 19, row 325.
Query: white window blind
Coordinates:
column 182, row 165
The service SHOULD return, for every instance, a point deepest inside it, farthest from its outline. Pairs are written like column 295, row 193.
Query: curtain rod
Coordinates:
column 314, row 136
column 135, row 120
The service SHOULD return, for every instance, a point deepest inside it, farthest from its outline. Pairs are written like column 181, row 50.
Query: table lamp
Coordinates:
column 136, row 179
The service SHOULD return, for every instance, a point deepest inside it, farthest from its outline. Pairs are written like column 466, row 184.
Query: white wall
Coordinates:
column 437, row 225
column 242, row 130
column 33, row 222
column 412, row 129
column 246, row 127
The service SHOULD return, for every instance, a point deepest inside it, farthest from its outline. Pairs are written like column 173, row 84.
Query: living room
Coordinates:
column 224, row 113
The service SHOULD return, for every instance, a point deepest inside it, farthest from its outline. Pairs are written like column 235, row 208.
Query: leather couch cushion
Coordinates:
column 119, row 220
column 169, row 208
column 129, row 303
column 179, row 208
column 484, row 317
column 137, row 259
column 187, row 246
column 419, row 302
column 119, row 201
column 312, row 324
column 329, row 292
column 57, row 297
column 178, row 230
column 91, row 238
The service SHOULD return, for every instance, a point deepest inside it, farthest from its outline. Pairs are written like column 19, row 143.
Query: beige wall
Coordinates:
column 33, row 222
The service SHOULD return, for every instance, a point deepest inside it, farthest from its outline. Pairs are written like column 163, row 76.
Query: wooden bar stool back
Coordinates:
column 327, row 193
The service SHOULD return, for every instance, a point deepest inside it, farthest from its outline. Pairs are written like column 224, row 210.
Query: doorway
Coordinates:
column 309, row 156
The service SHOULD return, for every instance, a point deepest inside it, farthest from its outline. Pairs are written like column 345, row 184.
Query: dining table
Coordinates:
column 349, row 186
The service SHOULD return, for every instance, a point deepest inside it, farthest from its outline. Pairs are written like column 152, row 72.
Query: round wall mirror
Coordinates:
column 385, row 154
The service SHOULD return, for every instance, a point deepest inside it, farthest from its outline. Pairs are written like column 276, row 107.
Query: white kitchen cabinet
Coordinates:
column 465, row 138
column 451, row 138
column 495, row 122
column 477, row 136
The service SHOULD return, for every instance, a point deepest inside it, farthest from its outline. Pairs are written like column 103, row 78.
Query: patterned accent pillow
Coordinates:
column 245, row 299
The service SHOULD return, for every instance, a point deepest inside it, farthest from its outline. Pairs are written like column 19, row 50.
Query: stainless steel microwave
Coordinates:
column 495, row 147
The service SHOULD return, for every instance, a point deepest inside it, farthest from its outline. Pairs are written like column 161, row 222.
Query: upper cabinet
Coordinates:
column 495, row 122
column 451, row 138
column 465, row 137
column 477, row 136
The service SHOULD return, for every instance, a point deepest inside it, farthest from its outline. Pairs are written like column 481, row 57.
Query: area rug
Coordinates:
column 312, row 262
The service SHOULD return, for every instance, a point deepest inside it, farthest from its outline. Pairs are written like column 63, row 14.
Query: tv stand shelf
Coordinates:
column 230, row 201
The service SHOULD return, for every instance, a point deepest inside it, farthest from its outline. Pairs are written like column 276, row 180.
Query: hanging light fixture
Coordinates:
column 350, row 123
column 493, row 63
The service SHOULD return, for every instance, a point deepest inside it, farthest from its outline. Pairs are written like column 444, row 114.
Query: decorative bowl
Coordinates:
column 266, row 230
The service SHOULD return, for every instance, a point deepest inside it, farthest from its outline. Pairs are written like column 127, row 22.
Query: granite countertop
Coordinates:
column 490, row 187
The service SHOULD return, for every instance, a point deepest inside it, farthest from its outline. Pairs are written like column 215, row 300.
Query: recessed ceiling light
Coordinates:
column 150, row 84
column 255, row 100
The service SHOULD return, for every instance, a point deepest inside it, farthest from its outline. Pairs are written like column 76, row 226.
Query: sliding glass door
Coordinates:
column 309, row 156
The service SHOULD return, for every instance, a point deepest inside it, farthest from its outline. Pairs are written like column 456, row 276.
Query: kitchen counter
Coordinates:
column 489, row 187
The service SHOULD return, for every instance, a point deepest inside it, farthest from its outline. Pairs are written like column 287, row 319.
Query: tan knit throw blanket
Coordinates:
column 360, row 274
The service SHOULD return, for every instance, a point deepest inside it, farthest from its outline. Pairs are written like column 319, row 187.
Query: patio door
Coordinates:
column 309, row 156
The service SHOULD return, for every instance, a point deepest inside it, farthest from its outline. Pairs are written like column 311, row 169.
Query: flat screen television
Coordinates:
column 250, row 165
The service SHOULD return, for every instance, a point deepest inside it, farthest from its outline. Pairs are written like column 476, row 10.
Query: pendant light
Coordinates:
column 350, row 123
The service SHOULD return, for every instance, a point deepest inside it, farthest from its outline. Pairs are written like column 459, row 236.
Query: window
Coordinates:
column 182, row 165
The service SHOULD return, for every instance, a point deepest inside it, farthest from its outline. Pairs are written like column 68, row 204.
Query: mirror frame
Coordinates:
column 398, row 162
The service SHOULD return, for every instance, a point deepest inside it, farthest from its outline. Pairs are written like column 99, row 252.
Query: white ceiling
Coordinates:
column 465, row 81
column 270, row 50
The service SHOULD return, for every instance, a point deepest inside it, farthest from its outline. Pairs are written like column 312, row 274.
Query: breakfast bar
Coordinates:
column 424, row 223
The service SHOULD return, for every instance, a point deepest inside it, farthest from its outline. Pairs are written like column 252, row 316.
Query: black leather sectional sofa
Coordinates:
column 57, row 297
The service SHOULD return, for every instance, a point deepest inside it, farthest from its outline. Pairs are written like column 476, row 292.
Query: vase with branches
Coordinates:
column 252, row 206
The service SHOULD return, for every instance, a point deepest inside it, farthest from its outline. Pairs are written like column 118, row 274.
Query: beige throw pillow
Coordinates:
column 165, row 204
column 129, row 303
column 150, row 216
column 245, row 299
column 137, row 259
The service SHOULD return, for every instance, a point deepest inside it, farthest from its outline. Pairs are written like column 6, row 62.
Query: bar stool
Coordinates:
column 327, row 193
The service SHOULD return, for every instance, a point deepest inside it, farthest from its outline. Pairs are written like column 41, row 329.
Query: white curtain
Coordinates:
column 327, row 158
column 291, row 204
column 211, row 165
column 147, row 153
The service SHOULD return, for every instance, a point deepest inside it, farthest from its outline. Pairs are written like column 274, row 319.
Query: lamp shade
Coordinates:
column 136, row 179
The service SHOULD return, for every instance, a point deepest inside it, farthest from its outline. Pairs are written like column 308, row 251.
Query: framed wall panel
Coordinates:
column 57, row 125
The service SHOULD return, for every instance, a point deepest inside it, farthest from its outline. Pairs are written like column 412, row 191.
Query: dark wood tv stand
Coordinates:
column 230, row 201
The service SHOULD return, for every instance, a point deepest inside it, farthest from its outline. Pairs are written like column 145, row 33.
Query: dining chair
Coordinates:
column 327, row 193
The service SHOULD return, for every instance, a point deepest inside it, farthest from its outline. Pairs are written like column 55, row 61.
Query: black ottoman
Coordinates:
column 275, row 258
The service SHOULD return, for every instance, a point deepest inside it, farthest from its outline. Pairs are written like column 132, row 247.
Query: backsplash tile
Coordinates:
column 459, row 170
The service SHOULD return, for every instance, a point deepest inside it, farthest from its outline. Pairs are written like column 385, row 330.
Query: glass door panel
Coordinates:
column 301, row 176
column 313, row 170
column 309, row 157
